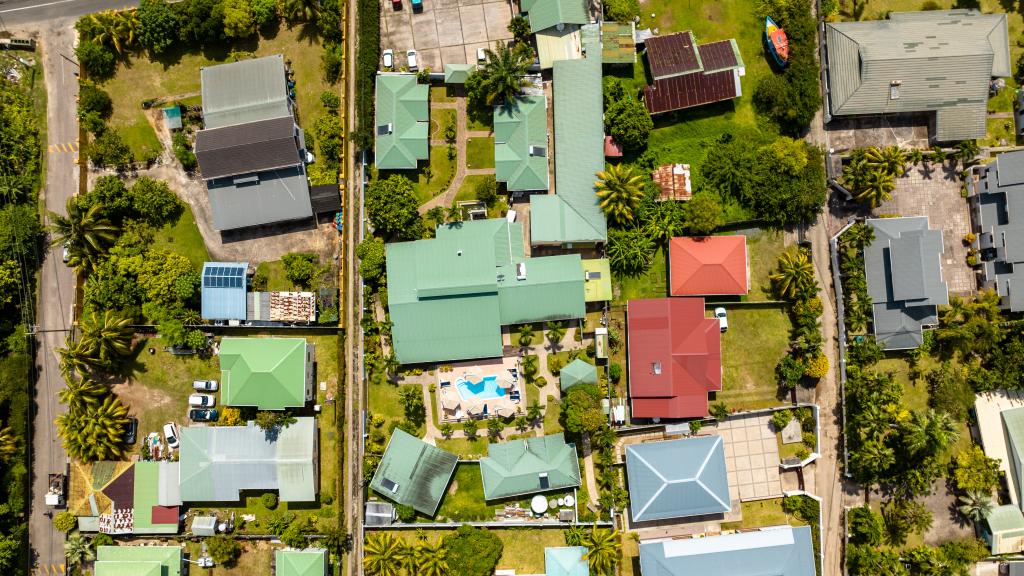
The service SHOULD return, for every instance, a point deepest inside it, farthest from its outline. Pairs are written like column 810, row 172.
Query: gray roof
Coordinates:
column 997, row 204
column 904, row 278
column 223, row 290
column 244, row 91
column 677, row 478
column 272, row 196
column 414, row 473
column 938, row 61
column 246, row 148
column 776, row 551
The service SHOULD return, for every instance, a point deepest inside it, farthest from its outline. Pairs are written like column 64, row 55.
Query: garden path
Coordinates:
column 463, row 133
column 588, row 469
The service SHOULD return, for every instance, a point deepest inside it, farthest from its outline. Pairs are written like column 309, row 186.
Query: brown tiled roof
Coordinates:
column 717, row 56
column 688, row 91
column 247, row 148
column 674, row 181
column 672, row 55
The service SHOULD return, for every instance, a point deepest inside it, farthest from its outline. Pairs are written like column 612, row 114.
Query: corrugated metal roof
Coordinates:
column 1006, row 518
column 269, row 373
column 308, row 562
column 414, row 473
column 402, row 121
column 138, row 560
column 551, row 290
column 521, row 144
column 1013, row 423
column 457, row 73
column 677, row 478
column 529, row 466
column 244, row 91
column 919, row 62
column 577, row 372
column 223, row 290
column 618, row 44
column 999, row 219
column 544, row 14
column 566, row 561
column 778, row 551
column 218, row 462
column 277, row 196
column 247, row 148
column 597, row 280
column 152, row 479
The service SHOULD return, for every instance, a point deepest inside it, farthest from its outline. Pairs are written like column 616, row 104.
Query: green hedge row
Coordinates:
column 367, row 58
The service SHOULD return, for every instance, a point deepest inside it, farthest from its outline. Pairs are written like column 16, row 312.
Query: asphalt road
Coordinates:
column 15, row 13
column 56, row 292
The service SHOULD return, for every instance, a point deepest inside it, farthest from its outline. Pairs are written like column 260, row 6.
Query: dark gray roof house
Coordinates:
column 996, row 195
column 932, row 61
column 904, row 276
column 251, row 152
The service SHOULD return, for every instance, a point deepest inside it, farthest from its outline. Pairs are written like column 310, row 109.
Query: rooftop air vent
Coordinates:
column 389, row 485
column 538, row 151
column 521, row 271
column 543, row 477
column 385, row 129
column 655, row 367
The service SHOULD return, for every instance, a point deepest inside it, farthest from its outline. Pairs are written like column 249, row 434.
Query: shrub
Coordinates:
column 865, row 526
column 330, row 100
column 301, row 268
column 95, row 60
column 108, row 149
column 154, row 203
column 615, row 372
column 817, row 367
column 780, row 418
column 474, row 551
column 367, row 58
column 223, row 549
column 65, row 522
column 789, row 371
column 621, row 10
column 331, row 62
column 92, row 99
column 405, row 513
column 719, row 410
column 629, row 123
column 264, row 12
column 810, row 440
column 540, row 381
column 269, row 500
column 103, row 540
column 695, row 426
column 555, row 364
column 183, row 151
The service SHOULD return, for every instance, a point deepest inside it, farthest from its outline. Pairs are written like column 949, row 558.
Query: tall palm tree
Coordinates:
column 432, row 559
column 95, row 434
column 666, row 221
column 78, row 549
column 556, row 331
column 75, row 359
column 8, row 443
column 108, row 336
column 914, row 156
column 877, row 186
column 603, row 550
column 795, row 274
column 975, row 505
column 115, row 28
column 892, row 159
column 80, row 395
column 503, row 73
column 383, row 554
column 88, row 235
column 305, row 10
column 525, row 334
column 530, row 367
column 620, row 190
column 967, row 150
column 859, row 235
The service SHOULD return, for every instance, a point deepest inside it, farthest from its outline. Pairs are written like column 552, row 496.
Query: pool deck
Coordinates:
column 451, row 406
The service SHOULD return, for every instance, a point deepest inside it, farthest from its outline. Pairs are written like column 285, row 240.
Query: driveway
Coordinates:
column 445, row 32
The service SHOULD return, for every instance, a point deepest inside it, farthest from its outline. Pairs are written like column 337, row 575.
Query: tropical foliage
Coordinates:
column 794, row 277
column 620, row 190
column 87, row 235
column 871, row 173
column 502, row 76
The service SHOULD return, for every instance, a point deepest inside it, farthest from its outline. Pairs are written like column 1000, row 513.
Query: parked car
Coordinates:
column 396, row 4
column 723, row 320
column 202, row 400
column 131, row 431
column 65, row 254
column 411, row 57
column 203, row 414
column 417, row 5
column 204, row 385
column 171, row 434
column 389, row 59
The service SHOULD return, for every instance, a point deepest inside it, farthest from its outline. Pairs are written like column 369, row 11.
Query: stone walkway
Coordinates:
column 463, row 133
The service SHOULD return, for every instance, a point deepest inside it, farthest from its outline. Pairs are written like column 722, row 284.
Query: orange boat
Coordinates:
column 778, row 43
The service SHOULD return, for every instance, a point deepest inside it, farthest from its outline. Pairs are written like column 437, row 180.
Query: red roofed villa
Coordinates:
column 675, row 357
column 709, row 266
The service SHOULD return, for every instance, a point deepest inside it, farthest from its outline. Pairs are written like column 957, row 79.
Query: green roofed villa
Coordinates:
column 566, row 561
column 544, row 14
column 268, row 373
column 138, row 561
column 449, row 296
column 521, row 144
column 1003, row 529
column 457, row 73
column 577, row 372
column 402, row 121
column 414, row 473
column 529, row 466
column 308, row 562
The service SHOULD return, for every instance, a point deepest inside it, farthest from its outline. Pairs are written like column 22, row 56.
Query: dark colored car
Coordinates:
column 203, row 415
column 131, row 432
column 396, row 4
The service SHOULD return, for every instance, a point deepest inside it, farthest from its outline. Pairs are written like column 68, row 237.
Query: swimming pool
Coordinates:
column 485, row 389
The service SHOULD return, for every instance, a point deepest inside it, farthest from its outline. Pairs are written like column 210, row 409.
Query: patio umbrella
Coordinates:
column 474, row 405
column 449, row 403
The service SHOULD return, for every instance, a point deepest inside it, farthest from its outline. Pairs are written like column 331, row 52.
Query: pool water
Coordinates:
column 485, row 389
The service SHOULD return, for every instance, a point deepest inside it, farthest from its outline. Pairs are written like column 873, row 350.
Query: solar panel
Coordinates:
column 544, row 484
column 224, row 276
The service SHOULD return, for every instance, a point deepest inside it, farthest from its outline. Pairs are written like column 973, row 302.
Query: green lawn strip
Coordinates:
column 439, row 118
column 522, row 551
column 276, row 280
column 442, row 169
column 480, row 152
column 184, row 238
column 630, row 564
column 762, row 513
column 467, row 191
column 532, row 395
column 465, row 497
column 141, row 138
column 764, row 249
column 326, row 347
column 440, row 94
column 383, row 400
column 464, row 447
column 1000, row 133
column 482, row 124
column 256, row 559
column 653, row 283
column 551, row 415
column 757, row 339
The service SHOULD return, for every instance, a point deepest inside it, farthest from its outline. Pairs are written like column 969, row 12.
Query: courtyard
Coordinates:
column 444, row 32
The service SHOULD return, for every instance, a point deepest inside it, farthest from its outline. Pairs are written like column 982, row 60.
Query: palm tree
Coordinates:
column 556, row 331
column 8, row 443
column 859, row 236
column 525, row 335
column 975, row 505
column 107, row 336
column 914, row 156
column 795, row 275
column 494, row 428
column 533, row 412
column 967, row 150
column 877, row 186
column 88, row 235
column 629, row 251
column 296, row 10
column 938, row 154
column 620, row 190
column 75, row 359
column 666, row 221
column 115, row 28
column 95, row 434
column 522, row 423
column 892, row 159
column 383, row 554
column 603, row 550
column 432, row 559
column 530, row 367
column 82, row 394
column 502, row 75
column 78, row 549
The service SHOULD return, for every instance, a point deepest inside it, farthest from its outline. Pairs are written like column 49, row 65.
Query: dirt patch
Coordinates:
column 713, row 12
column 454, row 487
column 139, row 397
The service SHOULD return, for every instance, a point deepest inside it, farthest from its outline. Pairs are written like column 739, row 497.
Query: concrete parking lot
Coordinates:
column 445, row 32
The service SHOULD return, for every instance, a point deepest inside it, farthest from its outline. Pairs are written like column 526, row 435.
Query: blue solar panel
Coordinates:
column 224, row 290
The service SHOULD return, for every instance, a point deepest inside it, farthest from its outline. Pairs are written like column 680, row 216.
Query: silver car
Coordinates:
column 411, row 57
column 204, row 385
column 723, row 320
column 389, row 59
column 202, row 400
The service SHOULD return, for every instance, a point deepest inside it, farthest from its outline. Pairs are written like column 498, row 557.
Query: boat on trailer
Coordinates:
column 778, row 43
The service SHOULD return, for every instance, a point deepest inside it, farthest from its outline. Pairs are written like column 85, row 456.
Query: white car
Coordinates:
column 171, row 434
column 65, row 253
column 723, row 320
column 389, row 59
column 204, row 385
column 202, row 400
column 411, row 57
column 481, row 55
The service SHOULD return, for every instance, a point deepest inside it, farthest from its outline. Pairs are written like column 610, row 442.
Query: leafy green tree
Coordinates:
column 87, row 235
column 866, row 526
column 581, row 409
column 519, row 28
column 975, row 472
column 295, row 535
column 96, row 61
column 411, row 398
column 108, row 149
column 331, row 63
column 93, row 99
column 158, row 26
column 371, row 254
column 200, row 21
column 795, row 275
column 629, row 123
column 967, row 150
column 392, row 207
column 703, row 214
column 224, row 549
column 470, row 428
column 475, row 551
column 502, row 74
column 522, row 423
column 530, row 367
column 183, row 151
column 301, row 268
column 620, row 190
column 719, row 410
column 273, row 422
column 238, row 21
column 604, row 549
column 65, row 522
column 154, row 203
column 446, row 430
column 789, row 371
column 863, row 560
column 117, row 29
column 78, row 550
column 629, row 251
column 621, row 10
column 264, row 12
column 871, row 461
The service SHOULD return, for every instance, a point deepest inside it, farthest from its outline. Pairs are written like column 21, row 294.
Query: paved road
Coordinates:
column 56, row 292
column 16, row 13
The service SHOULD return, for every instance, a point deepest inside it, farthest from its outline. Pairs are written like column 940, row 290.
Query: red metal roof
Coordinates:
column 674, row 182
column 717, row 56
column 672, row 55
column 164, row 515
column 675, row 357
column 696, row 89
column 708, row 266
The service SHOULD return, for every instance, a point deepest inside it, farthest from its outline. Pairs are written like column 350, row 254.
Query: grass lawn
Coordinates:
column 383, row 400
column 787, row 450
column 442, row 169
column 761, row 513
column 757, row 339
column 464, row 447
column 480, row 152
column 551, row 415
column 482, row 124
column 999, row 129
column 184, row 238
column 467, row 191
column 140, row 137
column 439, row 119
column 440, row 94
column 256, row 559
column 465, row 497
column 651, row 284
column 276, row 280
column 630, row 564
column 523, row 548
column 763, row 250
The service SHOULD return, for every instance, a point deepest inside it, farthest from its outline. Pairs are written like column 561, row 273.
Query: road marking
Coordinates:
column 36, row 6
column 63, row 147
column 61, row 568
column 45, row 569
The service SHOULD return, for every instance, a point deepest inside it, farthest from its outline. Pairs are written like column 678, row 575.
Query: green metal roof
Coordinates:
column 244, row 91
column 449, row 296
column 521, row 144
column 577, row 372
column 269, row 373
column 544, row 14
column 1013, row 421
column 938, row 61
column 414, row 473
column 597, row 280
column 528, row 466
column 310, row 562
column 566, row 561
column 149, row 482
column 573, row 213
column 457, row 73
column 402, row 122
column 1007, row 518
column 138, row 561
